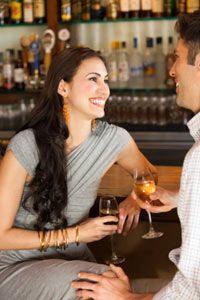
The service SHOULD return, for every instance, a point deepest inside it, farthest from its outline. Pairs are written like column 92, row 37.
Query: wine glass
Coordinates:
column 144, row 185
column 108, row 206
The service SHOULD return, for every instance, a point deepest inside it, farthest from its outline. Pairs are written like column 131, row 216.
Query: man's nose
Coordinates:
column 172, row 71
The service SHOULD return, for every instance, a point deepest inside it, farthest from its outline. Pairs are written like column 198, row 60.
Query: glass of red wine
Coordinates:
column 108, row 206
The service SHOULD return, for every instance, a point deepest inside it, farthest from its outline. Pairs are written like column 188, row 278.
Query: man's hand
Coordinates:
column 129, row 213
column 101, row 287
column 167, row 199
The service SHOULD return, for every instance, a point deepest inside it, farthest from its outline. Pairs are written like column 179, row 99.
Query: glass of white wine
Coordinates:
column 108, row 206
column 144, row 185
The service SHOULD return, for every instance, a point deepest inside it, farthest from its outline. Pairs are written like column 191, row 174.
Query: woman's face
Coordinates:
column 88, row 90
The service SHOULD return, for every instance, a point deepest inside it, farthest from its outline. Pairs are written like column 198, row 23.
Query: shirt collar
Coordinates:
column 194, row 127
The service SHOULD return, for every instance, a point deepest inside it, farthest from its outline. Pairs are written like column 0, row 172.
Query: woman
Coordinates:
column 49, row 178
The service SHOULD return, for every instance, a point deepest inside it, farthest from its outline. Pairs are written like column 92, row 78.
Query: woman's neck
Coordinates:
column 78, row 132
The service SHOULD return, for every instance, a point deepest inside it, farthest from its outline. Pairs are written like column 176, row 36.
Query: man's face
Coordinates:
column 187, row 78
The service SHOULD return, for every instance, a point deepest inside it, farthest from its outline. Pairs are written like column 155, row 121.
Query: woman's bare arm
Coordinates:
column 12, row 179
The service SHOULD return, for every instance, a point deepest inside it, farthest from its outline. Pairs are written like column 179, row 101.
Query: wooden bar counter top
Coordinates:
column 119, row 183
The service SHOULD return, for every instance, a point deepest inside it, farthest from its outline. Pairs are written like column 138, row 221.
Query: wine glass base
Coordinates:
column 152, row 235
column 116, row 260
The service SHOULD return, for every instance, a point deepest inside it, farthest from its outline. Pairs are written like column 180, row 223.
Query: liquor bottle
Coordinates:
column 181, row 6
column 134, row 6
column 28, row 11
column 124, row 9
column 112, row 10
column 135, row 61
column 192, row 5
column 103, row 7
column 19, row 72
column 66, row 13
column 86, row 12
column 149, row 58
column 96, row 10
column 113, row 62
column 63, row 39
column 8, row 70
column 5, row 12
column 39, row 11
column 123, row 64
column 169, row 8
column 2, row 13
column 160, row 62
column 157, row 8
column 76, row 9
column 16, row 11
column 146, row 8
column 1, row 70
column 169, row 61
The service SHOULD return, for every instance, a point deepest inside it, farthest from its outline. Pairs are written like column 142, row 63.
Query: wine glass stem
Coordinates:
column 150, row 220
column 112, row 245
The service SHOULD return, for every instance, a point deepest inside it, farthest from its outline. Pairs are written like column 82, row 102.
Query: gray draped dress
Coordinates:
column 30, row 274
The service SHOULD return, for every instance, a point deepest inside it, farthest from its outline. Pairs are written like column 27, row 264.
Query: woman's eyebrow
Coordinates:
column 97, row 74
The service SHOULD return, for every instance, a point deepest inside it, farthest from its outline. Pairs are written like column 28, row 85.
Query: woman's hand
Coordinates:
column 129, row 213
column 162, row 201
column 102, row 286
column 96, row 228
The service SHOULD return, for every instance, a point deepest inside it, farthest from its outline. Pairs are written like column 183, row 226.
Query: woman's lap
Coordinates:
column 43, row 279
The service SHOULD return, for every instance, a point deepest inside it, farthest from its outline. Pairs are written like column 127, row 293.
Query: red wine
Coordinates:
column 111, row 212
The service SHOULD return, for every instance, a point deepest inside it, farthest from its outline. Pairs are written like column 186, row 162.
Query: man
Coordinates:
column 186, row 282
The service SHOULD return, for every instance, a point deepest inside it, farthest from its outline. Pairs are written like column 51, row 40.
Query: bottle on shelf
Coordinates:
column 28, row 16
column 134, row 6
column 157, row 8
column 124, row 9
column 4, row 12
column 8, row 68
column 96, row 10
column 181, row 6
column 169, row 61
column 149, row 59
column 112, row 10
column 1, row 70
column 192, row 5
column 160, row 62
column 169, row 8
column 123, row 64
column 86, row 10
column 16, row 11
column 19, row 72
column 146, row 8
column 66, row 12
column 113, row 62
column 76, row 9
column 39, row 11
column 135, row 61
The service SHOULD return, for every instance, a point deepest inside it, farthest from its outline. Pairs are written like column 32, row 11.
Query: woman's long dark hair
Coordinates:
column 48, row 187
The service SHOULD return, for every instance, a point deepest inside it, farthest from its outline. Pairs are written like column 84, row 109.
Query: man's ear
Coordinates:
column 197, row 61
column 62, row 88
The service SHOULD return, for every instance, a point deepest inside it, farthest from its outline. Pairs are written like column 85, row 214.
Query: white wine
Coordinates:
column 144, row 188
column 109, row 212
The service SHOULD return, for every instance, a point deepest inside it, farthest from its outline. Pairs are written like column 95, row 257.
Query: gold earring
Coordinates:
column 93, row 125
column 66, row 112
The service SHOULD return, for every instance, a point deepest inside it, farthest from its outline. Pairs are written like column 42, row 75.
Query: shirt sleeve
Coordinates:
column 186, row 283
column 24, row 148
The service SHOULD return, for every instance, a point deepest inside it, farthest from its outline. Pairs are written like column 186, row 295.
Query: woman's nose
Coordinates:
column 104, row 88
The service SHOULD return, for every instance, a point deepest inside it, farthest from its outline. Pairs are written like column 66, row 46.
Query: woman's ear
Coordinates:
column 62, row 89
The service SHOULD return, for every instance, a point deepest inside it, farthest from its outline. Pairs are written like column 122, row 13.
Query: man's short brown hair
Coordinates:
column 188, row 28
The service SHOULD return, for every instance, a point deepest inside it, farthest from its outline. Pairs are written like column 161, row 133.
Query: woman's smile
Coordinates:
column 99, row 102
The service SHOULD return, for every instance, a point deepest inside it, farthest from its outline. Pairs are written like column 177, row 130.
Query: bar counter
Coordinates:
column 120, row 183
